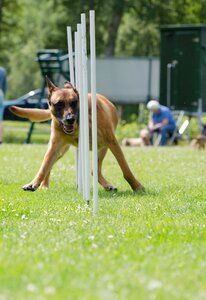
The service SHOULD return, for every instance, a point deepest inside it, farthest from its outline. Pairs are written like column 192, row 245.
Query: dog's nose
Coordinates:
column 70, row 119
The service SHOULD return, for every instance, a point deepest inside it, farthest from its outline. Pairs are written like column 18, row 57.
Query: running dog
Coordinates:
column 64, row 114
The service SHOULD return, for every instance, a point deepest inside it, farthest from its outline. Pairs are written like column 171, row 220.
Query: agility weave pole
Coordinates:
column 79, row 78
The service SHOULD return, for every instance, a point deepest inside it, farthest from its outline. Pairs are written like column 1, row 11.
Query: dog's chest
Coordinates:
column 72, row 141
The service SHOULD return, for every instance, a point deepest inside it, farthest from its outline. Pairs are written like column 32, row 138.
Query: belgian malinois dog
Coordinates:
column 64, row 114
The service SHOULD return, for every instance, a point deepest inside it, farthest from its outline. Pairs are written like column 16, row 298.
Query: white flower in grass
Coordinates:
column 154, row 285
column 95, row 246
column 71, row 223
column 110, row 236
column 24, row 217
column 49, row 290
column 123, row 233
column 23, row 236
column 40, row 266
column 91, row 237
column 31, row 287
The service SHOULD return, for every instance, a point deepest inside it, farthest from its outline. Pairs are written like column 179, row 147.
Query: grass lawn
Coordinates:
column 140, row 246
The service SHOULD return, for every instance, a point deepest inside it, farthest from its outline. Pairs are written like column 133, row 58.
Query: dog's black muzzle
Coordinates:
column 68, row 123
column 70, row 119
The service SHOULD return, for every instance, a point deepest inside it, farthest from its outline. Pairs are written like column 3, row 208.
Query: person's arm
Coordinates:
column 165, row 122
column 159, row 125
column 151, row 125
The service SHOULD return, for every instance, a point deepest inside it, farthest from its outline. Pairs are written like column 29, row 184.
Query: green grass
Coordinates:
column 139, row 246
column 16, row 132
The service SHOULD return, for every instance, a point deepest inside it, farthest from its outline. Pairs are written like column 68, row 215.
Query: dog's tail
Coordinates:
column 33, row 114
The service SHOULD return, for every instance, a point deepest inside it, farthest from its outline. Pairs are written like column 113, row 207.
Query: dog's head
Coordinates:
column 144, row 134
column 200, row 140
column 64, row 105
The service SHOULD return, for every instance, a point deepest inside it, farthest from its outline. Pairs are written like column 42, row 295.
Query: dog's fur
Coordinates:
column 64, row 113
column 198, row 142
column 143, row 140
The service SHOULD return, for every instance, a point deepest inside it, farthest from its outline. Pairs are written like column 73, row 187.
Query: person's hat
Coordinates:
column 153, row 105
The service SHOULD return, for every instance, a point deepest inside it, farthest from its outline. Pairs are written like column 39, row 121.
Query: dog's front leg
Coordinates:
column 55, row 150
column 45, row 183
column 117, row 151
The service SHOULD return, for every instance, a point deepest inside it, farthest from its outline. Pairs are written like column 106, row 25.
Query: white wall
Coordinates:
column 127, row 79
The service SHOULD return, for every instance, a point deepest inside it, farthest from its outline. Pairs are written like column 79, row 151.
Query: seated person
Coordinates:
column 161, row 121
column 2, row 91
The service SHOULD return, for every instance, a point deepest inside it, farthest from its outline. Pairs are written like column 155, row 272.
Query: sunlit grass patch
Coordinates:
column 140, row 246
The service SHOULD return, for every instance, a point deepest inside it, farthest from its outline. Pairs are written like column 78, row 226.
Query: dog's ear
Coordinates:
column 68, row 85
column 51, row 86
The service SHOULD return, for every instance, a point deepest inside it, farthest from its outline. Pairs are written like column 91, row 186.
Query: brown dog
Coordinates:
column 64, row 112
column 143, row 140
column 198, row 142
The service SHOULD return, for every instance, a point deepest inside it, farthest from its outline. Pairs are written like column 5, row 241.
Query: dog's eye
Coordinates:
column 73, row 104
column 59, row 105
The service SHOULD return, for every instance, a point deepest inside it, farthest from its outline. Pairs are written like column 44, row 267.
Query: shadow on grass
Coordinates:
column 127, row 193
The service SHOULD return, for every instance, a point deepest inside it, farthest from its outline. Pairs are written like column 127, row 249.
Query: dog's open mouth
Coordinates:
column 68, row 128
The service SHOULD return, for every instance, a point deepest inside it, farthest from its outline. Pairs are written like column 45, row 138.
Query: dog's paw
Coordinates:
column 110, row 188
column 44, row 187
column 30, row 187
column 139, row 189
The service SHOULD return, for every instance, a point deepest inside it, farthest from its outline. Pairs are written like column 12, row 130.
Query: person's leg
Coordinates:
column 164, row 131
column 152, row 134
column 151, row 137
column 1, row 132
column 1, row 116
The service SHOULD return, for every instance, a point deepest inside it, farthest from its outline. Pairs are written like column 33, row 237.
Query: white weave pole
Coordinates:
column 70, row 52
column 81, row 80
column 94, row 109
column 85, row 109
column 72, row 80
column 81, row 143
column 76, row 59
column 79, row 156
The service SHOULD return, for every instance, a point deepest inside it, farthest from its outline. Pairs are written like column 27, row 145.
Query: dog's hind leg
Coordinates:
column 107, row 185
column 117, row 151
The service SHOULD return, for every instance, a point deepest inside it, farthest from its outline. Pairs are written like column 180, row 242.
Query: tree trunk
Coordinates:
column 116, row 17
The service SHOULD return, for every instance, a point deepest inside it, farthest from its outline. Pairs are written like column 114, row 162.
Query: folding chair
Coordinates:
column 180, row 129
column 54, row 64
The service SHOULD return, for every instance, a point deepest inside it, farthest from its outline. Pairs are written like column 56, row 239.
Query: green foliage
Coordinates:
column 16, row 132
column 124, row 28
column 9, row 29
column 125, row 129
column 38, row 27
column 151, row 244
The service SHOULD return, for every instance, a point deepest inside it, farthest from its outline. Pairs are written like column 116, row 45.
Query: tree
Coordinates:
column 9, row 15
column 123, row 28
